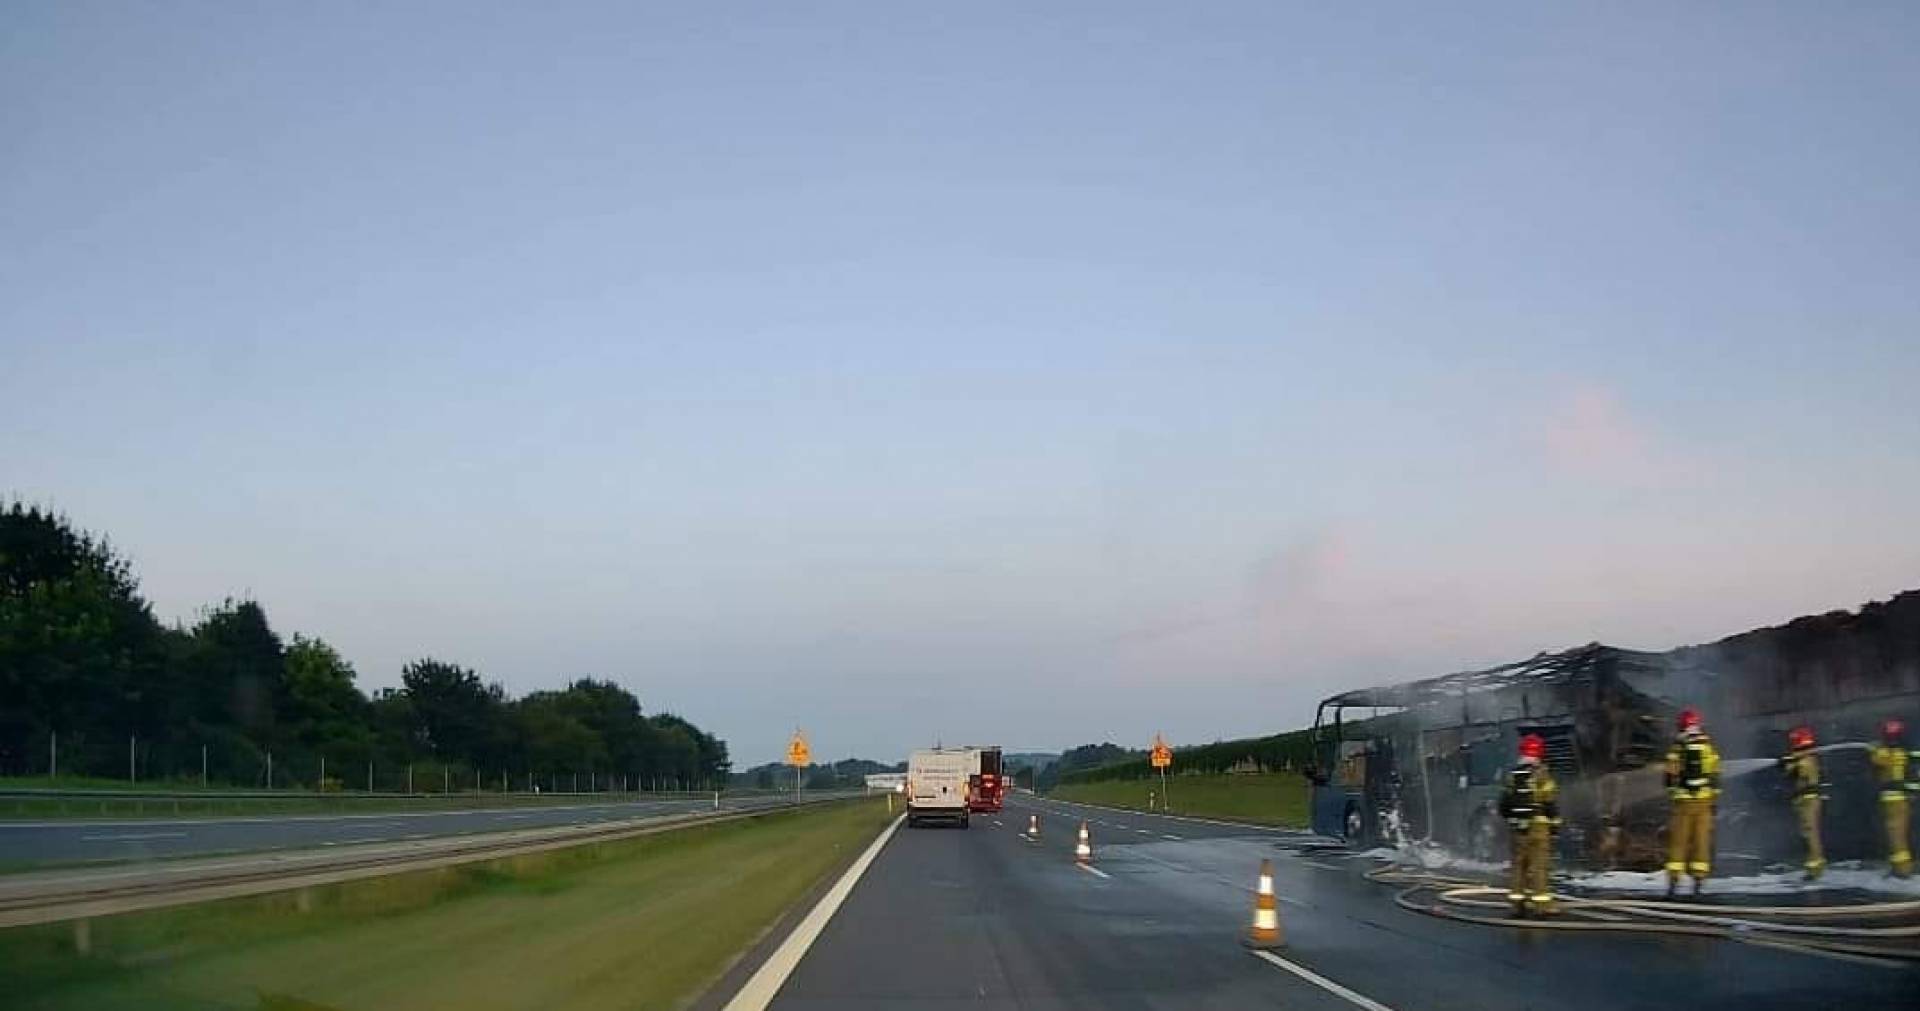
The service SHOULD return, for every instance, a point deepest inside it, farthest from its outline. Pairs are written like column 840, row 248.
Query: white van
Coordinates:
column 937, row 785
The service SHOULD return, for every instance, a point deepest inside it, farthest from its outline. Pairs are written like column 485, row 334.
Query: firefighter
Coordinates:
column 1895, row 768
column 1802, row 767
column 1531, row 805
column 1693, row 785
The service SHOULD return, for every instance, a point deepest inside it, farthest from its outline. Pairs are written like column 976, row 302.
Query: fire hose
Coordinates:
column 1457, row 900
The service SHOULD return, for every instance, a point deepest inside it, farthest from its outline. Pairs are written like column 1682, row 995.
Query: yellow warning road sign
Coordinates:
column 1162, row 755
column 798, row 754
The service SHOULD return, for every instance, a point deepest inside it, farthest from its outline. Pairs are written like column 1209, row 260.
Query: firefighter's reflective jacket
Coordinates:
column 1693, row 768
column 1899, row 770
column 1531, row 797
column 1803, row 772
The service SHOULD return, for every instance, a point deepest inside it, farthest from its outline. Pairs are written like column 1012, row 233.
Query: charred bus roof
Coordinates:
column 1545, row 686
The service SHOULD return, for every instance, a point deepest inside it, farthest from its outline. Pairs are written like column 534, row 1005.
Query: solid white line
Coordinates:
column 1095, row 871
column 133, row 835
column 1323, row 982
column 766, row 981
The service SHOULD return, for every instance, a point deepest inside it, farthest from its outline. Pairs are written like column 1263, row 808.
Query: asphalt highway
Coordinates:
column 26, row 843
column 991, row 919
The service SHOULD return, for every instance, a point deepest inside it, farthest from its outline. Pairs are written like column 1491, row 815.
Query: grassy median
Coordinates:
column 1278, row 798
column 643, row 923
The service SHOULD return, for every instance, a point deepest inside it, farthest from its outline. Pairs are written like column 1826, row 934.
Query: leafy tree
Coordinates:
column 554, row 739
column 78, row 644
column 456, row 716
column 239, row 670
column 326, row 713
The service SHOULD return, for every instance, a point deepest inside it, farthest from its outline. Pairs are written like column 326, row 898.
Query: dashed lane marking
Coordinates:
column 1356, row 999
column 1320, row 866
column 1095, row 871
column 1175, row 838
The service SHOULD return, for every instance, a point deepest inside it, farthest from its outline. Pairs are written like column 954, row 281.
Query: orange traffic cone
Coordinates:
column 1083, row 850
column 1033, row 826
column 1266, row 931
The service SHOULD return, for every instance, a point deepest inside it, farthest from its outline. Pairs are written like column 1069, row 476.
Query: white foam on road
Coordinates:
column 1848, row 875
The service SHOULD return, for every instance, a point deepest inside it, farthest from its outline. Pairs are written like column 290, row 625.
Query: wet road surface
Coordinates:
column 990, row 919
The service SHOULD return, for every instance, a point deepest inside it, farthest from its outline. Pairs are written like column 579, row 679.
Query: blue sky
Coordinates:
column 841, row 365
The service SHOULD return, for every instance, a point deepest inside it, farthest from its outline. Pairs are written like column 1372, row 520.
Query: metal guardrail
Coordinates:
column 51, row 897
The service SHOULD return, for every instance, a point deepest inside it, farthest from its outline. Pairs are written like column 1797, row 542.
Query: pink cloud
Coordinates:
column 1591, row 430
column 1307, row 569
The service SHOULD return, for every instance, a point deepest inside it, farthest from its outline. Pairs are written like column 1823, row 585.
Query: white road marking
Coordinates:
column 1095, row 871
column 1320, row 866
column 767, row 980
column 1358, row 1000
column 1175, row 838
column 1000, row 823
column 131, row 836
column 1143, row 831
column 1029, row 838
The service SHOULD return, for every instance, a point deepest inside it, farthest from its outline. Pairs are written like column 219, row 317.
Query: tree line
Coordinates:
column 1098, row 763
column 92, row 681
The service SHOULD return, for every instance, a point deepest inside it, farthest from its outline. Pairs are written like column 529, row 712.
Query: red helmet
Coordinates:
column 1800, row 737
column 1689, row 719
column 1532, row 746
column 1894, row 731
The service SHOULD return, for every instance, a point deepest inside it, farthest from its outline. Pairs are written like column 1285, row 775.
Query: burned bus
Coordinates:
column 1424, row 760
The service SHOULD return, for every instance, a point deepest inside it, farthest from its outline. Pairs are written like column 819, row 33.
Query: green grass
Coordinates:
column 1278, row 798
column 643, row 923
